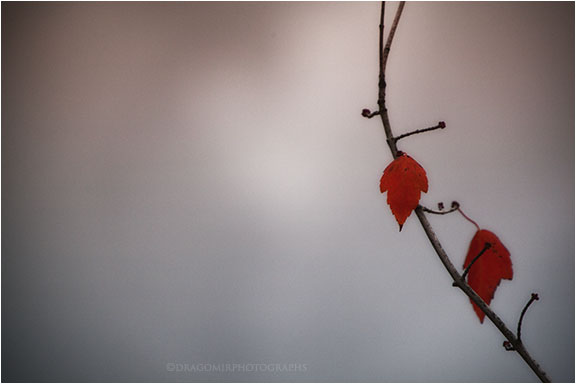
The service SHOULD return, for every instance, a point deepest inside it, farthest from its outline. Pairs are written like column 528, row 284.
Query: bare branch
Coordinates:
column 440, row 125
column 517, row 345
column 532, row 299
column 454, row 208
column 458, row 281
column 384, row 51
column 392, row 31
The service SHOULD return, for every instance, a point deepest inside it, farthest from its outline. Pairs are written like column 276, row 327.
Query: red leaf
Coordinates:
column 487, row 271
column 404, row 179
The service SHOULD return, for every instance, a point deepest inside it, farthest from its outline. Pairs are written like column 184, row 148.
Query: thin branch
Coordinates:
column 532, row 299
column 381, row 66
column 384, row 51
column 454, row 208
column 392, row 31
column 506, row 344
column 515, row 342
column 486, row 247
column 440, row 125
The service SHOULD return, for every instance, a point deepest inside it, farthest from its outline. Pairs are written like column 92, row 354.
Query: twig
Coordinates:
column 383, row 59
column 518, row 346
column 454, row 208
column 392, row 31
column 440, row 125
column 515, row 342
column 486, row 247
column 366, row 113
column 532, row 299
column 506, row 344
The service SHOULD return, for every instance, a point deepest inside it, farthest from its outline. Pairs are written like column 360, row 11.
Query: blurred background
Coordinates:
column 189, row 185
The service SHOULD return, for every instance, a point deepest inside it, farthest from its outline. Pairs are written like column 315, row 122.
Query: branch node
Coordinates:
column 508, row 346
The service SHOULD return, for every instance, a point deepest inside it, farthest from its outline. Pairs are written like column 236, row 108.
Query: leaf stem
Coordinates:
column 486, row 247
column 468, row 218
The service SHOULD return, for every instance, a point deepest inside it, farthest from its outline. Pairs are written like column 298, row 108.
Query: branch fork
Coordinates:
column 513, row 341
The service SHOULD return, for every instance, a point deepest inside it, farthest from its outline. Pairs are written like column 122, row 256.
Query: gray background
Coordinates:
column 193, row 183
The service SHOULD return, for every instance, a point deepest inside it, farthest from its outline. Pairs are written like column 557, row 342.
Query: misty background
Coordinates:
column 193, row 183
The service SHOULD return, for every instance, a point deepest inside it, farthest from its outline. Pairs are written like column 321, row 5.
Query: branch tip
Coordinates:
column 368, row 114
column 533, row 298
column 440, row 125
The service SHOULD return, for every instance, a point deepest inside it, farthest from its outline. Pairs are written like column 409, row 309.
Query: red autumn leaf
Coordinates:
column 404, row 179
column 492, row 266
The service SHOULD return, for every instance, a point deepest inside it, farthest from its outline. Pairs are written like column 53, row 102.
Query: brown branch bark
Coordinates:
column 440, row 125
column 516, row 343
column 384, row 51
column 533, row 298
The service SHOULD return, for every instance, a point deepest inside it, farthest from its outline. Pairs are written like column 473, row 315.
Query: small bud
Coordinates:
column 535, row 296
column 366, row 112
column 442, row 124
column 455, row 204
column 508, row 346
column 441, row 206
